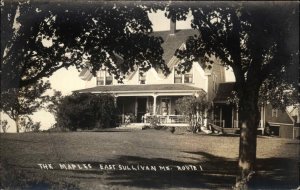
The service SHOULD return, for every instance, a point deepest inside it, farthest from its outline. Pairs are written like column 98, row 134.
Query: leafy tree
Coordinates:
column 86, row 111
column 194, row 108
column 279, row 93
column 54, row 102
column 260, row 41
column 19, row 103
column 37, row 39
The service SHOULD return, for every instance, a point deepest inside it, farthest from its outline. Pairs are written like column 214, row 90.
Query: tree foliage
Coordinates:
column 4, row 125
column 260, row 42
column 18, row 103
column 38, row 38
column 253, row 38
column 189, row 105
column 193, row 108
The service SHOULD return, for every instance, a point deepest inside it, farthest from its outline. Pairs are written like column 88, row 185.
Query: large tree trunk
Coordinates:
column 249, row 118
column 17, row 124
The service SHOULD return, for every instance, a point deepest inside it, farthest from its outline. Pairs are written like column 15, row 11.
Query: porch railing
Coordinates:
column 167, row 119
column 237, row 124
column 163, row 119
column 219, row 123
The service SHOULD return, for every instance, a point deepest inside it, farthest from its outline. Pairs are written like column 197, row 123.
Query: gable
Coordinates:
column 172, row 43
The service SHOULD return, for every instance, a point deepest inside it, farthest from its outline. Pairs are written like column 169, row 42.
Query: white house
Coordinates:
column 153, row 93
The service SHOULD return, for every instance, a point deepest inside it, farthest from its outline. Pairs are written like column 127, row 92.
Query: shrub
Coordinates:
column 4, row 126
column 86, row 111
column 193, row 108
column 27, row 124
column 154, row 122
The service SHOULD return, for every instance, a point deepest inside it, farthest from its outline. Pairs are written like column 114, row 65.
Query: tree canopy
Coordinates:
column 260, row 42
column 39, row 38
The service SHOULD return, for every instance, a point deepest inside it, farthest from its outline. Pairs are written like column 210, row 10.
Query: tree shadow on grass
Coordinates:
column 276, row 173
column 272, row 173
column 218, row 172
column 211, row 177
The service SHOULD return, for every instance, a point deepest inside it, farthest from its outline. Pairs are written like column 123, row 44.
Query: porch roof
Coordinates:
column 224, row 92
column 141, row 88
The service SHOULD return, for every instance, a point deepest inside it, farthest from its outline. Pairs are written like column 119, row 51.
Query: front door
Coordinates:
column 227, row 116
column 141, row 108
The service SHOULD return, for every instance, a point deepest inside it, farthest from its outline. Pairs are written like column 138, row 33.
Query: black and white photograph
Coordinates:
column 121, row 95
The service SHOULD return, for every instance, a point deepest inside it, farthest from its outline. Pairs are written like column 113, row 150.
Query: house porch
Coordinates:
column 138, row 103
column 226, row 116
column 141, row 109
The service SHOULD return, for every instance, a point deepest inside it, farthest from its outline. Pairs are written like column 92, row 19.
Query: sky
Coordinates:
column 67, row 80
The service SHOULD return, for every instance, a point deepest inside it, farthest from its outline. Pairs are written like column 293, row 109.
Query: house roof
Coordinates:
column 140, row 88
column 173, row 42
column 170, row 45
column 224, row 91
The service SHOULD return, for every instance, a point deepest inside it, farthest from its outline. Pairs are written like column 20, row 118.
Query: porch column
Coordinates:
column 237, row 116
column 261, row 117
column 154, row 104
column 115, row 100
column 221, row 124
column 123, row 113
column 135, row 107
column 232, row 116
column 212, row 113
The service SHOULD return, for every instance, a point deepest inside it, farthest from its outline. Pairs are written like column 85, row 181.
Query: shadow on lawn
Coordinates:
column 218, row 172
column 212, row 176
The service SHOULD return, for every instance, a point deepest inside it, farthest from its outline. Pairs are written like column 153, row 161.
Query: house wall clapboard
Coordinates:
column 215, row 76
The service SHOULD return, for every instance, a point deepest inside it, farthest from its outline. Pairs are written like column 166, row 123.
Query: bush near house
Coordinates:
column 191, row 106
column 86, row 111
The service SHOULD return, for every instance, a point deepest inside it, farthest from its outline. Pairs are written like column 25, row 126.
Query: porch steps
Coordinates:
column 136, row 126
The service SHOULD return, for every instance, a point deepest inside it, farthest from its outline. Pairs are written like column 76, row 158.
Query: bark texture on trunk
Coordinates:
column 17, row 124
column 249, row 118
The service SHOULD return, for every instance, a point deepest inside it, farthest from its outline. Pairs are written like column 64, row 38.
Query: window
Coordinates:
column 177, row 77
column 183, row 78
column 142, row 78
column 108, row 79
column 100, row 77
column 104, row 78
column 274, row 112
column 188, row 77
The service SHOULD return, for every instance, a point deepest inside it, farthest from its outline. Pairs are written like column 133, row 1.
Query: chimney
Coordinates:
column 172, row 27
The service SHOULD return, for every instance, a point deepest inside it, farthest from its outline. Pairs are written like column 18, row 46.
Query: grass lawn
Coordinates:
column 277, row 163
